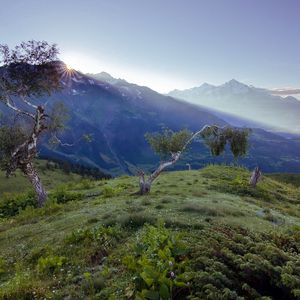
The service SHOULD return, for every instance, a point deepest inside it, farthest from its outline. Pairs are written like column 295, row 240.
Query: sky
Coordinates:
column 167, row 44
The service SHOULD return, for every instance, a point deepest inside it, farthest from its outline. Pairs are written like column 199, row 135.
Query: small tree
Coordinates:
column 170, row 145
column 29, row 71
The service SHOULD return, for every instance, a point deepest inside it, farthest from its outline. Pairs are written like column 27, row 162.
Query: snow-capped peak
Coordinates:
column 235, row 86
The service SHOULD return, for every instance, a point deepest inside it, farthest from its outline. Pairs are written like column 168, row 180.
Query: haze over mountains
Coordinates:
column 117, row 114
column 270, row 111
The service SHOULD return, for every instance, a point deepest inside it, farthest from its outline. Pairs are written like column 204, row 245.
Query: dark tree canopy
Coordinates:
column 30, row 70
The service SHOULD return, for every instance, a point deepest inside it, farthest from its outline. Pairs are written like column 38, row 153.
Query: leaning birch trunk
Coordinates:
column 255, row 177
column 145, row 185
column 30, row 172
column 24, row 154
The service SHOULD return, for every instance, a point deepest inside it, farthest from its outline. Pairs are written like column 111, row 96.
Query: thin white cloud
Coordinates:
column 285, row 91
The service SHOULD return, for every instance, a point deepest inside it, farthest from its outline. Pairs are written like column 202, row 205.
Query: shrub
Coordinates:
column 22, row 286
column 85, row 184
column 158, row 264
column 135, row 220
column 100, row 234
column 61, row 195
column 11, row 204
column 234, row 263
column 92, row 283
column 207, row 211
column 50, row 264
column 92, row 244
column 3, row 266
column 109, row 192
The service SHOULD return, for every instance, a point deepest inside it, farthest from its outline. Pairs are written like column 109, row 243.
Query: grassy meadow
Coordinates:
column 200, row 234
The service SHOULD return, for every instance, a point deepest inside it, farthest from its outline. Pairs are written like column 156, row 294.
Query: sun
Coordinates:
column 69, row 68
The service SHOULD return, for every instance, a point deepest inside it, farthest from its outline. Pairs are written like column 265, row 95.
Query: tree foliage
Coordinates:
column 30, row 70
column 217, row 138
column 168, row 141
column 58, row 116
column 10, row 138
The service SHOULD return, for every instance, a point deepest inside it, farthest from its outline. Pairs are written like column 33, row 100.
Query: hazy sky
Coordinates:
column 167, row 44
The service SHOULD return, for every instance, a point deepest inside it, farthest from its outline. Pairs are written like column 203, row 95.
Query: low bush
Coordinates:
column 85, row 184
column 11, row 204
column 135, row 220
column 202, row 210
column 158, row 265
column 92, row 283
column 234, row 263
column 100, row 234
column 50, row 264
column 92, row 245
column 62, row 195
column 23, row 285
column 3, row 266
column 109, row 191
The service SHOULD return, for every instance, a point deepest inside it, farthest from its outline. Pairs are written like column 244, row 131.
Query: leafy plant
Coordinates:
column 62, row 195
column 166, row 142
column 23, row 285
column 234, row 263
column 11, row 204
column 3, row 266
column 159, row 265
column 109, row 191
column 50, row 264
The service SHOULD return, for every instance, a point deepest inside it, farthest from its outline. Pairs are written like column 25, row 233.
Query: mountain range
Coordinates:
column 117, row 114
column 271, row 112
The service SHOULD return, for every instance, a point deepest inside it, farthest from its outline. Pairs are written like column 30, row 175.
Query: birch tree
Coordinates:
column 28, row 72
column 170, row 146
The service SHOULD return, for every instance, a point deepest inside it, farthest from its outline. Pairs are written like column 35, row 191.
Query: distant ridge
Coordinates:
column 257, row 104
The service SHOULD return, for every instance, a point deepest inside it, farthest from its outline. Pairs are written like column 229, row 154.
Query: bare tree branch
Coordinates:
column 9, row 104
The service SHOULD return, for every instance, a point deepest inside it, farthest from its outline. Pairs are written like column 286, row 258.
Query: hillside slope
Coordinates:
column 212, row 237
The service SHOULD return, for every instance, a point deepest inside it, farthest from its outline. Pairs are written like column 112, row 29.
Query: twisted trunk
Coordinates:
column 255, row 177
column 31, row 173
column 145, row 185
column 24, row 154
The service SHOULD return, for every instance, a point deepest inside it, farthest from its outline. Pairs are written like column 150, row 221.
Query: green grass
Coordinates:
column 79, row 249
column 50, row 178
column 289, row 178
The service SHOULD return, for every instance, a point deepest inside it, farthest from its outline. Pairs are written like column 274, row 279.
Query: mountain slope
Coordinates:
column 256, row 104
column 224, row 233
column 117, row 114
